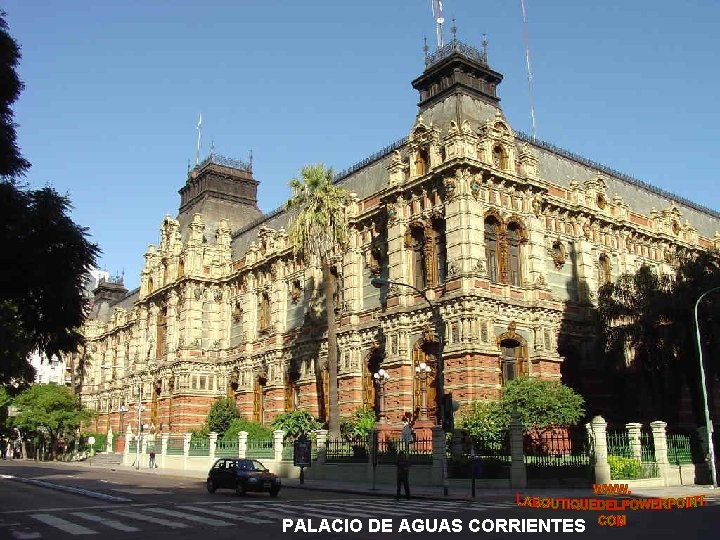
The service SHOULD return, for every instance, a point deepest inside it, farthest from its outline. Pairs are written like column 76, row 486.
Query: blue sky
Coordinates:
column 114, row 89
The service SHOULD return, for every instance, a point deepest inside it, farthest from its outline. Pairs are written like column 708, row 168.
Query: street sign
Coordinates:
column 302, row 452
column 91, row 440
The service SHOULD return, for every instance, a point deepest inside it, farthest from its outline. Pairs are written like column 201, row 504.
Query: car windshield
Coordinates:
column 257, row 466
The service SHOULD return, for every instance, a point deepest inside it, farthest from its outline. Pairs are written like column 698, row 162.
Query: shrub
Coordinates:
column 485, row 421
column 624, row 468
column 222, row 413
column 359, row 424
column 255, row 430
column 295, row 423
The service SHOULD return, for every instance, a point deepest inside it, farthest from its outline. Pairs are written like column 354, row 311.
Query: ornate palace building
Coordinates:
column 509, row 237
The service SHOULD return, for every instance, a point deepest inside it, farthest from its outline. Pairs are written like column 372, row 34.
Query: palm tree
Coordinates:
column 319, row 233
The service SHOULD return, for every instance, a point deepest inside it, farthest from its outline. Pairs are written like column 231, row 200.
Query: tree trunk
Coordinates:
column 332, row 354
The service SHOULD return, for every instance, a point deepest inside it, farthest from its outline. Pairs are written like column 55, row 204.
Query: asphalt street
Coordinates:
column 56, row 501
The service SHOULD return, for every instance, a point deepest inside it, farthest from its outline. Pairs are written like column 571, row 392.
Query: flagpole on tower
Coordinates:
column 439, row 20
column 199, row 130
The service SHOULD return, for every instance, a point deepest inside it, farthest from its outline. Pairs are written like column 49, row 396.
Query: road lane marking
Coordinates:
column 228, row 515
column 105, row 521
column 296, row 510
column 62, row 524
column 151, row 519
column 189, row 517
column 20, row 535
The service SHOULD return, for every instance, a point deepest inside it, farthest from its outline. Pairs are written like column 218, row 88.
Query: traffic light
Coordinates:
column 449, row 407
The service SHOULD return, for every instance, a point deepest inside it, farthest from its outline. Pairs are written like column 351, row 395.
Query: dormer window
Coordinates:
column 500, row 159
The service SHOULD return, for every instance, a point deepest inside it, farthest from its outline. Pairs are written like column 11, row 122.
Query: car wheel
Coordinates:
column 211, row 486
column 274, row 492
column 240, row 488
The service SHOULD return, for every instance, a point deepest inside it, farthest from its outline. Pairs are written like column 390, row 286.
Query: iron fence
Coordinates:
column 175, row 446
column 419, row 451
column 227, row 448
column 560, row 455
column 260, row 449
column 624, row 462
column 199, row 447
column 486, row 457
column 344, row 451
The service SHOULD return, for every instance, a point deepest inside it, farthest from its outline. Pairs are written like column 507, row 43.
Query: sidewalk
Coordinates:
column 458, row 490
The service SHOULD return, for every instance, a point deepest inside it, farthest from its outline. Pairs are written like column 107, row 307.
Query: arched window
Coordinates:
column 492, row 255
column 424, row 351
column 439, row 251
column 263, row 312
column 417, row 244
column 512, row 361
column 371, row 366
column 513, row 237
column 161, row 333
column 181, row 268
column 499, row 156
column 604, row 273
column 259, row 399
column 421, row 161
column 151, row 285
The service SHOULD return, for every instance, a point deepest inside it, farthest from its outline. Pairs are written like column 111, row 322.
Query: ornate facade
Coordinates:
column 510, row 238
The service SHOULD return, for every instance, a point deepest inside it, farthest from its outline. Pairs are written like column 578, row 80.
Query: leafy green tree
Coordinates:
column 12, row 164
column 540, row 404
column 359, row 424
column 50, row 408
column 41, row 304
column 636, row 314
column 319, row 233
column 295, row 423
column 222, row 414
column 486, row 421
column 255, row 430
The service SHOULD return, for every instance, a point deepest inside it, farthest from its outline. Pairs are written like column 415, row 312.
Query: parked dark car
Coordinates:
column 242, row 475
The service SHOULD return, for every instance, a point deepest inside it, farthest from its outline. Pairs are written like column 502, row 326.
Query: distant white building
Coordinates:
column 47, row 371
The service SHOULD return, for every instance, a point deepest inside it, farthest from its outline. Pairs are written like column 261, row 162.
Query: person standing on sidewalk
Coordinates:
column 403, row 474
column 152, row 464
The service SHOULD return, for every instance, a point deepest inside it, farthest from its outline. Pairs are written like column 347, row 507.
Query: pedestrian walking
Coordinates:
column 152, row 464
column 403, row 474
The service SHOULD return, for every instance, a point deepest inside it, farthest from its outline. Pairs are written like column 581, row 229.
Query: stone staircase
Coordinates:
column 105, row 460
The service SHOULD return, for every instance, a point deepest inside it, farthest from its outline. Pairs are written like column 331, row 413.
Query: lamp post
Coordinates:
column 440, row 379
column 382, row 377
column 708, row 422
column 423, row 372
column 439, row 330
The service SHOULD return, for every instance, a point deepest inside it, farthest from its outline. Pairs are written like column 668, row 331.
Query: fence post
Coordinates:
column 321, row 441
column 109, row 442
column 164, row 438
column 518, row 472
column 278, row 436
column 186, row 449
column 659, row 434
column 242, row 444
column 602, row 467
column 212, row 445
column 633, row 430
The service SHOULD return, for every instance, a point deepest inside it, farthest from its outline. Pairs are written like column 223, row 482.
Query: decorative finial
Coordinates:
column 250, row 159
column 426, row 49
column 212, row 146
column 188, row 166
column 484, row 48
column 453, row 31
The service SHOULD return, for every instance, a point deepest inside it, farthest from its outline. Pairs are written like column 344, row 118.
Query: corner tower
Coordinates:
column 458, row 84
column 219, row 188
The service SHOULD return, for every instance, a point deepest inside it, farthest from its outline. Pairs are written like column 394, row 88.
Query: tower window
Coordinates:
column 492, row 229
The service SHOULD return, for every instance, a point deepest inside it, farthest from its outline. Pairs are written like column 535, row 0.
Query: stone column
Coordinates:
column 109, row 442
column 126, row 448
column 278, row 436
column 321, row 441
column 634, row 436
column 242, row 444
column 602, row 468
column 659, row 434
column 164, row 438
column 518, row 472
column 213, row 445
column 439, row 452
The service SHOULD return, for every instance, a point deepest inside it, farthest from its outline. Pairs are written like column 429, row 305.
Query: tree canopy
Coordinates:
column 221, row 415
column 49, row 407
column 648, row 327
column 46, row 254
column 319, row 233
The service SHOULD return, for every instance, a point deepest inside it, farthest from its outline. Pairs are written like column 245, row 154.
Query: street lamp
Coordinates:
column 708, row 423
column 423, row 372
column 382, row 377
column 440, row 379
column 439, row 330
